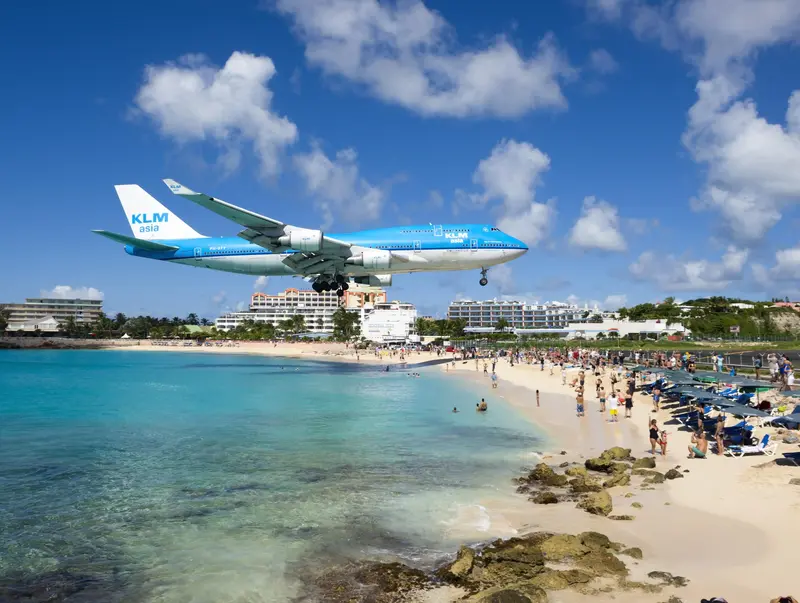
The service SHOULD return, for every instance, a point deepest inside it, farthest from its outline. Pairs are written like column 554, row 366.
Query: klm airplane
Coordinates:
column 272, row 248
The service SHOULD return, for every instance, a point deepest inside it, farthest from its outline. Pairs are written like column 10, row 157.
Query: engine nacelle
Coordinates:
column 375, row 280
column 372, row 259
column 302, row 239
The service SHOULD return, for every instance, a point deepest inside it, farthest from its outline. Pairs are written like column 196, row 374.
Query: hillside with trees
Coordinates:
column 714, row 317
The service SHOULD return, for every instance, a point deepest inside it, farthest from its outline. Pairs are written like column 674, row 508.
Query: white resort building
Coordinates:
column 393, row 322
column 316, row 308
column 38, row 311
column 519, row 314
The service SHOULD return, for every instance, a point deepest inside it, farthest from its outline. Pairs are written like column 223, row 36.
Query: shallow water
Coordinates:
column 175, row 477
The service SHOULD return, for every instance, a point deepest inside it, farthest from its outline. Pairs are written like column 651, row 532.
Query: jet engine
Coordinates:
column 372, row 259
column 375, row 280
column 302, row 239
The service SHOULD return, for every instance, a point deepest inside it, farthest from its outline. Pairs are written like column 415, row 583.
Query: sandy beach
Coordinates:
column 729, row 525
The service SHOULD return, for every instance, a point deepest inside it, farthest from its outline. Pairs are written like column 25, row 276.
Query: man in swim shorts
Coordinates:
column 579, row 401
column 699, row 446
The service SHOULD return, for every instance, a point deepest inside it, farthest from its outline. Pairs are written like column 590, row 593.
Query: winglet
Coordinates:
column 177, row 188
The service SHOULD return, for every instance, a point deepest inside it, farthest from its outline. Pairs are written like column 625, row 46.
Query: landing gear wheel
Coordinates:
column 345, row 286
column 317, row 287
column 339, row 292
column 326, row 286
column 484, row 281
column 340, row 279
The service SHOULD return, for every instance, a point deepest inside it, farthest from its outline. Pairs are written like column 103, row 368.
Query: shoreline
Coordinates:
column 729, row 525
column 705, row 526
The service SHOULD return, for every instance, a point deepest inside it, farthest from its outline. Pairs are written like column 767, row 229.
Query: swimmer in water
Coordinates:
column 455, row 409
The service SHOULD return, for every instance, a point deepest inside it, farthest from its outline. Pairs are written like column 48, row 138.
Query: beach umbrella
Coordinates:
column 740, row 410
column 639, row 368
column 746, row 382
column 794, row 393
column 793, row 418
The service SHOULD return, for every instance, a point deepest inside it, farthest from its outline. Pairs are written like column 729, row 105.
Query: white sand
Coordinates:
column 732, row 525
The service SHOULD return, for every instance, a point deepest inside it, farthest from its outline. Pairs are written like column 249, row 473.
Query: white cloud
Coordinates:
column 68, row 292
column 672, row 274
column 784, row 276
column 615, row 302
column 600, row 60
column 193, row 100
column 597, row 227
column 405, row 54
column 752, row 164
column 718, row 36
column 241, row 306
column 511, row 173
column 220, row 299
column 435, row 199
column 337, row 186
column 260, row 283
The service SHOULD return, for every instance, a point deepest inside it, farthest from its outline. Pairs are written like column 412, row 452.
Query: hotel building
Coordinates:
column 394, row 322
column 316, row 308
column 519, row 314
column 84, row 311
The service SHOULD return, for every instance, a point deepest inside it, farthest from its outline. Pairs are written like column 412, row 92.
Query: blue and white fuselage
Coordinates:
column 268, row 247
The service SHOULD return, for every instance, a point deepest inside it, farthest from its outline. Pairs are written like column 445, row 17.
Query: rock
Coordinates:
column 460, row 568
column 540, row 473
column 667, row 503
column 563, row 465
column 617, row 453
column 563, row 452
column 560, row 579
column 576, row 472
column 598, row 464
column 523, row 489
column 619, row 479
column 673, row 474
column 582, row 485
column 392, row 577
column 602, row 563
column 505, row 595
column 643, row 586
column 562, row 546
column 629, row 495
column 655, row 479
column 597, row 503
column 619, row 468
column 502, row 573
column 622, row 517
column 544, row 498
column 513, row 593
column 636, row 505
column 520, row 550
column 674, row 599
column 667, row 578
column 647, row 462
column 634, row 552
column 652, row 477
column 686, row 471
column 544, row 474
column 595, row 540
column 795, row 481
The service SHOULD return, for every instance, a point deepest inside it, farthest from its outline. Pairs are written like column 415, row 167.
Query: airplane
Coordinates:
column 269, row 247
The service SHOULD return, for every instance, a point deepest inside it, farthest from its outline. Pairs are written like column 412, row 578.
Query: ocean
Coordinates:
column 170, row 477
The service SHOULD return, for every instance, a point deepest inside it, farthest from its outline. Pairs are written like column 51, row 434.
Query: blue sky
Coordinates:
column 642, row 149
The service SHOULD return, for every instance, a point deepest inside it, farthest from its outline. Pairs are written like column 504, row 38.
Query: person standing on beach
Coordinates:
column 563, row 374
column 601, row 397
column 613, row 406
column 719, row 434
column 537, row 398
column 653, row 436
column 579, row 402
column 656, row 398
column 494, row 380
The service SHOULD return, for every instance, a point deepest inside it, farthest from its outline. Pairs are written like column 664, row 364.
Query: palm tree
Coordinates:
column 119, row 321
column 298, row 323
column 502, row 325
column 192, row 319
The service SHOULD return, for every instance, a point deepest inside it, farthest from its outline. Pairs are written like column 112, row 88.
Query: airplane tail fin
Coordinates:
column 149, row 219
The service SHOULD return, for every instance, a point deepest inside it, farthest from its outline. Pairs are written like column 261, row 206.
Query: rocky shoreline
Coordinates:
column 524, row 569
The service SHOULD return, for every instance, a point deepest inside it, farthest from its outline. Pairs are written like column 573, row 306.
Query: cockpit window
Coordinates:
column 495, row 229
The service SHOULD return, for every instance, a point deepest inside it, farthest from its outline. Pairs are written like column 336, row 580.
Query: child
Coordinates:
column 579, row 401
column 663, row 443
column 613, row 407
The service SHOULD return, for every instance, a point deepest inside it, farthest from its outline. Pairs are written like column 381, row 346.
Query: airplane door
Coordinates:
column 437, row 231
column 417, row 246
column 473, row 244
column 198, row 252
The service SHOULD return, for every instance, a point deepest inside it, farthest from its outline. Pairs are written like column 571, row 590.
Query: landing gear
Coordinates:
column 338, row 283
column 484, row 281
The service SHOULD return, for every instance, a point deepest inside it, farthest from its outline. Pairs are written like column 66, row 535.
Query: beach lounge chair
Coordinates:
column 763, row 447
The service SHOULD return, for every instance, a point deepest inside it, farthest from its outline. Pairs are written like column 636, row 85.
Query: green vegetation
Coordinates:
column 4, row 314
column 442, row 328
column 346, row 325
column 713, row 317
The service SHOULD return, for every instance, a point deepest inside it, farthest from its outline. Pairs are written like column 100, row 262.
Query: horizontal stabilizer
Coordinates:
column 140, row 243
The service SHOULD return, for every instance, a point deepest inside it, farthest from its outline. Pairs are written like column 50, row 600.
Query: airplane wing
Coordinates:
column 272, row 234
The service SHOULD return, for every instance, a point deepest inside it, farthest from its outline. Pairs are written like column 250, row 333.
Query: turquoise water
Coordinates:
column 153, row 476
